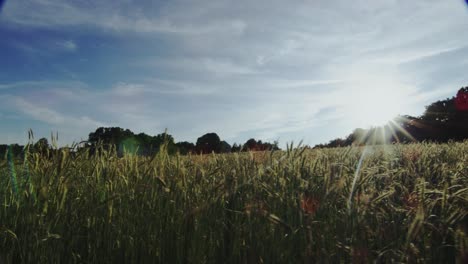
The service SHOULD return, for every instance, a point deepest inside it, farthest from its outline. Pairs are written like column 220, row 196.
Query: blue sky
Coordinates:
column 273, row 70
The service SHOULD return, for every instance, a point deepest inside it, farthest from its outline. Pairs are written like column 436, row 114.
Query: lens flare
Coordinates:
column 393, row 131
column 129, row 146
column 11, row 165
column 356, row 177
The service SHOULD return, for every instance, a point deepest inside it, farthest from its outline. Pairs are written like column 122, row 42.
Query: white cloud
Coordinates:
column 204, row 66
column 225, row 67
column 52, row 117
column 67, row 45
column 39, row 113
column 126, row 89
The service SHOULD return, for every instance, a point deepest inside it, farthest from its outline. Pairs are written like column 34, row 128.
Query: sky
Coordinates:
column 309, row 70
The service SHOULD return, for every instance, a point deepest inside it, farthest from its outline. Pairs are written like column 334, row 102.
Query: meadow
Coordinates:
column 407, row 203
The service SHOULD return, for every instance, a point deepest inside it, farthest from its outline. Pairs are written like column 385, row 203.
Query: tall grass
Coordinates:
column 409, row 204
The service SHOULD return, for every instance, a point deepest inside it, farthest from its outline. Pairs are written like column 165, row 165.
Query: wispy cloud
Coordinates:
column 53, row 117
column 202, row 66
column 67, row 45
column 39, row 113
column 118, row 16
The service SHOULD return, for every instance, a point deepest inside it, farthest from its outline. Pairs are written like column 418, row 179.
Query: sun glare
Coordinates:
column 375, row 109
column 375, row 106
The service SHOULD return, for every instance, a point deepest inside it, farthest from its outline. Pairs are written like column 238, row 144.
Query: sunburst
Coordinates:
column 393, row 131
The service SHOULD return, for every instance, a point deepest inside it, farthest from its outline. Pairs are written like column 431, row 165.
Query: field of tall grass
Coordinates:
column 408, row 203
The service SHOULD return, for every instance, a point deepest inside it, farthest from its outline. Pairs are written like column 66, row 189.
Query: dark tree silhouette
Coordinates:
column 250, row 144
column 126, row 140
column 208, row 143
column 41, row 146
column 236, row 147
column 17, row 150
column 109, row 135
column 254, row 145
column 185, row 147
column 224, row 147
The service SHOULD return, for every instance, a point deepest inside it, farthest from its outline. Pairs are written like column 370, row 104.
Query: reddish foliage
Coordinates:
column 411, row 201
column 461, row 101
column 309, row 204
column 360, row 255
column 412, row 155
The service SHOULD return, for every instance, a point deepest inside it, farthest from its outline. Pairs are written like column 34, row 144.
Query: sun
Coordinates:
column 372, row 106
column 375, row 108
column 374, row 93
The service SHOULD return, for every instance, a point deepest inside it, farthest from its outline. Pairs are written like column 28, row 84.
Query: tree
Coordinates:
column 440, row 111
column 208, row 143
column 185, row 147
column 236, row 147
column 145, row 144
column 251, row 145
column 41, row 146
column 124, row 139
column 110, row 135
column 254, row 145
column 443, row 121
column 3, row 150
column 225, row 147
column 337, row 143
column 167, row 140
column 270, row 146
column 17, row 150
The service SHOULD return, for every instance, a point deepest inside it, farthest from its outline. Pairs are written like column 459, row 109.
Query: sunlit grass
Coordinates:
column 409, row 204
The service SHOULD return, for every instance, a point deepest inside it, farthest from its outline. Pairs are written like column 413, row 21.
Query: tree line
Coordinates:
column 126, row 141
column 442, row 121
